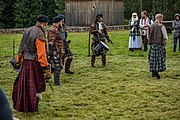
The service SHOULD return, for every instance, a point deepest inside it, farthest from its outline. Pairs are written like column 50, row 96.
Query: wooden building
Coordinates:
column 83, row 12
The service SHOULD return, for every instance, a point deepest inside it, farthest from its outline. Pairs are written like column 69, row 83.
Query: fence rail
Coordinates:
column 69, row 28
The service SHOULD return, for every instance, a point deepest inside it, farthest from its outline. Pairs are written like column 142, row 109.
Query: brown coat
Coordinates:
column 96, row 36
column 55, row 38
column 155, row 34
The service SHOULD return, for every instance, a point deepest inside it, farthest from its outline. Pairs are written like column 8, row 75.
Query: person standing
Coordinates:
column 56, row 48
column 99, row 31
column 68, row 53
column 134, row 39
column 30, row 82
column 145, row 22
column 157, row 40
column 176, row 27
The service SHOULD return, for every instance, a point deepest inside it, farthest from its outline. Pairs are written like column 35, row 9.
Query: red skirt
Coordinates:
column 27, row 84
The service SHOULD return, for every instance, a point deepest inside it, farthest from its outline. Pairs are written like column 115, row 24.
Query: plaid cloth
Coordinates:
column 135, row 42
column 135, row 30
column 55, row 58
column 27, row 84
column 157, row 58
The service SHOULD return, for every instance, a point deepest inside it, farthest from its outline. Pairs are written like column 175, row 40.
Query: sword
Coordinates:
column 47, row 80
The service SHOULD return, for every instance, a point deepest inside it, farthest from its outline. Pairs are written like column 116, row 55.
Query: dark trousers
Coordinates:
column 93, row 58
column 57, row 74
column 145, row 42
column 175, row 43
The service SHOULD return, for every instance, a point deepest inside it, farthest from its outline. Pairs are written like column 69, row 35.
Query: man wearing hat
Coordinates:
column 32, row 57
column 99, row 31
column 56, row 48
column 68, row 53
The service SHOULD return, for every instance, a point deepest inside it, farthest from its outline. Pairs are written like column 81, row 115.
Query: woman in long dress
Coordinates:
column 134, row 38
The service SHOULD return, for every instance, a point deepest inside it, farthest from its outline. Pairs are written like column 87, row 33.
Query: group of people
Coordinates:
column 43, row 52
column 40, row 55
column 153, row 33
column 135, row 26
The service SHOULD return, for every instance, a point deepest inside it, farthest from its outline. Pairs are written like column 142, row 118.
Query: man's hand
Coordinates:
column 47, row 72
column 17, row 65
column 99, row 31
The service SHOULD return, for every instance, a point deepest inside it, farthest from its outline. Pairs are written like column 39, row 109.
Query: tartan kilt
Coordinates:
column 157, row 58
column 55, row 59
column 27, row 84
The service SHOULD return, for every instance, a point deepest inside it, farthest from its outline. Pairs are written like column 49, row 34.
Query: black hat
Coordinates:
column 57, row 19
column 99, row 15
column 42, row 18
column 61, row 16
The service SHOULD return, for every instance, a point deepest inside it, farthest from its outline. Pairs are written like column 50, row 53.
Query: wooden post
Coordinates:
column 89, row 46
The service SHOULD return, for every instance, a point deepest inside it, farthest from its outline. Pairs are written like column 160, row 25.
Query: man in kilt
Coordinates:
column 56, row 48
column 99, row 31
column 157, row 40
column 30, row 83
column 68, row 54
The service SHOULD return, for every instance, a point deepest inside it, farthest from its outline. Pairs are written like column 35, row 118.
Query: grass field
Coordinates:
column 123, row 90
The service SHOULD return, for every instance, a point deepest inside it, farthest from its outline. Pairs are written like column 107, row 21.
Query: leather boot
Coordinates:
column 157, row 75
column 93, row 58
column 37, row 103
column 68, row 65
column 57, row 73
column 104, row 60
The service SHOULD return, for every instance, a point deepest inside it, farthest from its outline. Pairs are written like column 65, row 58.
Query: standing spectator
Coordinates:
column 68, row 53
column 145, row 22
column 30, row 83
column 157, row 41
column 134, row 39
column 176, row 27
column 56, row 48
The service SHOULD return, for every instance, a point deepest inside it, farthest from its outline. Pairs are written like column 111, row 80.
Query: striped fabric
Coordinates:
column 27, row 84
column 157, row 58
column 135, row 42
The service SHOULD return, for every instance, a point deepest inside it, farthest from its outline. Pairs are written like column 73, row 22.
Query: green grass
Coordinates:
column 122, row 90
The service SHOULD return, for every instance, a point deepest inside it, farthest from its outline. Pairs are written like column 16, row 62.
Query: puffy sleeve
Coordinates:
column 164, row 32
column 41, row 52
column 141, row 24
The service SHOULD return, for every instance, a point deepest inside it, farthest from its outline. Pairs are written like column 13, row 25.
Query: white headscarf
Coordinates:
column 133, row 20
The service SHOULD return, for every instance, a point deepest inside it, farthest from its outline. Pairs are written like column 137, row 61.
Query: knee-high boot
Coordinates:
column 104, row 60
column 68, row 65
column 93, row 58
